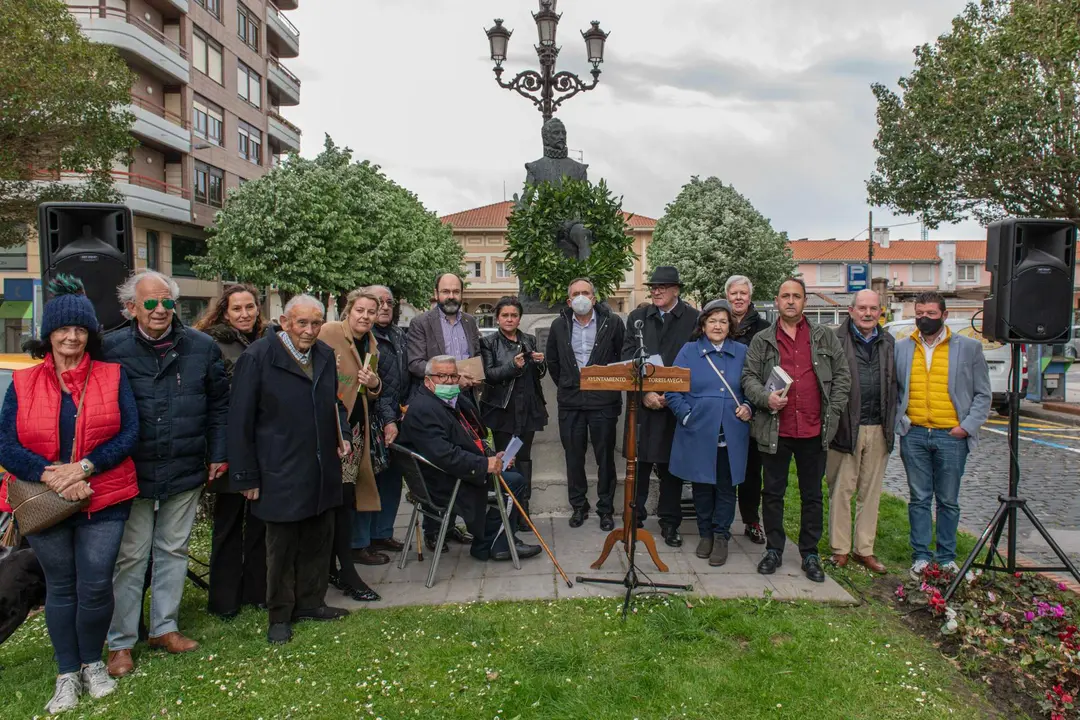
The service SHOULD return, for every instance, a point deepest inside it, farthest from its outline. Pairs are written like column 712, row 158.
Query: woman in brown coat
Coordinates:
column 358, row 379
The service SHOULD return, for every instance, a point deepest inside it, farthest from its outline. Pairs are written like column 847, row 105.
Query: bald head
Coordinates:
column 865, row 311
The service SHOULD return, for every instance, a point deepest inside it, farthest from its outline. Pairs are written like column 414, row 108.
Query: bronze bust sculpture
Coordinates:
column 573, row 238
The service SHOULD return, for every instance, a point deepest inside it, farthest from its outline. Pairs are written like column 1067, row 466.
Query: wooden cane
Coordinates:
column 533, row 527
column 419, row 543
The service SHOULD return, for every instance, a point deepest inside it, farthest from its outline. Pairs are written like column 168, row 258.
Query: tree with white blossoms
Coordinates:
column 327, row 226
column 711, row 232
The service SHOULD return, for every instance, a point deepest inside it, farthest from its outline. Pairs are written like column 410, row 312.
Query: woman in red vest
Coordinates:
column 71, row 423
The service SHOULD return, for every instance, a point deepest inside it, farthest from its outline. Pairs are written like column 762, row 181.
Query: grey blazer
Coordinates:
column 425, row 339
column 969, row 384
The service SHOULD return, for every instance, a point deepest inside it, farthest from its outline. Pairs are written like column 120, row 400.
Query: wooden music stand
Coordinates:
column 621, row 377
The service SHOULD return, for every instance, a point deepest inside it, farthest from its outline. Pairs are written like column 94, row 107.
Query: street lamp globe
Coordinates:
column 499, row 39
column 547, row 22
column 594, row 43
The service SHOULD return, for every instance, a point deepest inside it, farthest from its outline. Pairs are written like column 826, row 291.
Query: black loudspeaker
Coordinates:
column 1031, row 263
column 95, row 242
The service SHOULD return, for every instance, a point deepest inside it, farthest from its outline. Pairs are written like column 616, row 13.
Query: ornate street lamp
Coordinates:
column 547, row 89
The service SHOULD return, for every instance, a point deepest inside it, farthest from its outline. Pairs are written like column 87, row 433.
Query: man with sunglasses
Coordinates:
column 444, row 426
column 179, row 383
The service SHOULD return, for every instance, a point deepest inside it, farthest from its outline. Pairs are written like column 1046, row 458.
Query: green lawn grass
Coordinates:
column 565, row 659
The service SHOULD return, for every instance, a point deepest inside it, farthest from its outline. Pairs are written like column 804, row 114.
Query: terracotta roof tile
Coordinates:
column 493, row 217
column 806, row 251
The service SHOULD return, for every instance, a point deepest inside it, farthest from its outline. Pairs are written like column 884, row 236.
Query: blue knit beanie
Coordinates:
column 69, row 306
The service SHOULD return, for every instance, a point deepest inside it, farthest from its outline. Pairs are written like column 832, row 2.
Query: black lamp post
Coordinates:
column 547, row 89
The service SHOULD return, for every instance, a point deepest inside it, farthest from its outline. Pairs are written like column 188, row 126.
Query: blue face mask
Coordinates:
column 447, row 392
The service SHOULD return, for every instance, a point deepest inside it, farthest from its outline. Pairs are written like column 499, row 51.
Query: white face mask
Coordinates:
column 581, row 305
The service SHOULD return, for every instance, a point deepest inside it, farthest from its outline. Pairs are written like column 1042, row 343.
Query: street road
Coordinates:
column 1050, row 480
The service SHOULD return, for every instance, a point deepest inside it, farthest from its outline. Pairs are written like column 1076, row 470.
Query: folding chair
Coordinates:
column 409, row 463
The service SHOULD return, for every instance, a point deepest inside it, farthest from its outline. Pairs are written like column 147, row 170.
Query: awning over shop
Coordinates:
column 16, row 310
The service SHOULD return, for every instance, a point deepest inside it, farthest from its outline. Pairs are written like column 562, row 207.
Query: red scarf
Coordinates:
column 74, row 379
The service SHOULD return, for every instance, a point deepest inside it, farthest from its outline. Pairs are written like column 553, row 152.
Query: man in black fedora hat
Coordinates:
column 665, row 326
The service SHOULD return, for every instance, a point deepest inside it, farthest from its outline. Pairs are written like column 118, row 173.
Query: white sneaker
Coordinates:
column 916, row 570
column 95, row 679
column 951, row 567
column 68, row 689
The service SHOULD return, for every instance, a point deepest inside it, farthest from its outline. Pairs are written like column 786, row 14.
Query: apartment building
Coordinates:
column 211, row 82
column 482, row 234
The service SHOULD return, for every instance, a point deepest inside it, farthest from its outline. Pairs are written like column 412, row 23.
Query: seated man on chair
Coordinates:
column 444, row 426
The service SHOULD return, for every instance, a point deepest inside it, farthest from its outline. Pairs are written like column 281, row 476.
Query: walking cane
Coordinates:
column 419, row 543
column 533, row 527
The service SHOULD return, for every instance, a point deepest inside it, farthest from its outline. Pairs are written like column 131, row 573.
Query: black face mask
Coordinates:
column 450, row 307
column 929, row 326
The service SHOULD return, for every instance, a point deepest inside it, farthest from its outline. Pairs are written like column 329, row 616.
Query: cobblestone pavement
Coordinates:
column 1049, row 480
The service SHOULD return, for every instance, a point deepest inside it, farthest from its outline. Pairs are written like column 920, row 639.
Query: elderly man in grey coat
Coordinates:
column 943, row 385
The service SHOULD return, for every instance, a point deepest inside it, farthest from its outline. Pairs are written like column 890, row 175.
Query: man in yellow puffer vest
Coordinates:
column 943, row 384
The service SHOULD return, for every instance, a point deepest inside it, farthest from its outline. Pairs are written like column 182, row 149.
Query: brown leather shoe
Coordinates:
column 392, row 544
column 119, row 663
column 174, row 643
column 871, row 563
column 839, row 560
column 367, row 556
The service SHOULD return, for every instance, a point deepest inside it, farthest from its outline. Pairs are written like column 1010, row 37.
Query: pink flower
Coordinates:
column 1029, row 616
column 900, row 591
column 1058, row 610
column 1062, row 586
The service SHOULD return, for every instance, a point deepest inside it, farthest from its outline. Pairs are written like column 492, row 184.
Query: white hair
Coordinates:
column 299, row 300
column 739, row 280
column 429, row 367
column 376, row 289
column 126, row 292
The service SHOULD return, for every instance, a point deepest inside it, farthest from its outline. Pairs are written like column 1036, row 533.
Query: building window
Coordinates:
column 967, row 273
column 475, row 269
column 880, row 270
column 206, row 57
column 13, row 258
column 830, row 274
column 247, row 26
column 190, row 309
column 248, row 84
column 501, row 271
column 922, row 274
column 209, row 185
column 209, row 120
column 153, row 250
column 212, row 6
column 250, row 142
column 184, row 250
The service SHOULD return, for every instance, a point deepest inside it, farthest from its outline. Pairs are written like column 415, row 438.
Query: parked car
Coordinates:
column 998, row 357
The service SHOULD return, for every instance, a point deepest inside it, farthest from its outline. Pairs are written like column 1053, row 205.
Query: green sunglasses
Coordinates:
column 152, row 303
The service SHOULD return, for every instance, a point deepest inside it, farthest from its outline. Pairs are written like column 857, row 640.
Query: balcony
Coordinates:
column 282, row 37
column 283, row 86
column 157, row 126
column 284, row 136
column 145, row 196
column 135, row 39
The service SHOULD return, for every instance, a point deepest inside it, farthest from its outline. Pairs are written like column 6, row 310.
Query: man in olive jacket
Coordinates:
column 801, row 421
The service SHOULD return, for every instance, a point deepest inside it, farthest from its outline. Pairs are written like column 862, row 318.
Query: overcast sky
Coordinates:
column 772, row 96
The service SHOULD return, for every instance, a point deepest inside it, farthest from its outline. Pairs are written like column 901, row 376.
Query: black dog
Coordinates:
column 22, row 588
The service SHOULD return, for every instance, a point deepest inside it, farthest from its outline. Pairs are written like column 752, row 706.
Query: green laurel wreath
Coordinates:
column 533, row 255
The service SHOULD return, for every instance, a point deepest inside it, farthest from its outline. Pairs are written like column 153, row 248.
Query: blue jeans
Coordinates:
column 78, row 556
column 714, row 505
column 379, row 525
column 934, row 461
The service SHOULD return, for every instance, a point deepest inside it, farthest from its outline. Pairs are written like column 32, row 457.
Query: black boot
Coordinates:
column 525, row 468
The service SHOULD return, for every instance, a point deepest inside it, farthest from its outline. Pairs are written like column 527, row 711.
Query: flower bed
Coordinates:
column 1023, row 627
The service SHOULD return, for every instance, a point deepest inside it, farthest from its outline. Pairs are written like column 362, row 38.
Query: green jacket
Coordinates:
column 833, row 376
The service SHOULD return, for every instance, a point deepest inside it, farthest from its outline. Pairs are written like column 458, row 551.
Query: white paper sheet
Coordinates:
column 511, row 450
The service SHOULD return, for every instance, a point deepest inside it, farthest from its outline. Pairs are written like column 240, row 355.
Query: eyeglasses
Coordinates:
column 445, row 377
column 152, row 303
column 660, row 288
column 386, row 303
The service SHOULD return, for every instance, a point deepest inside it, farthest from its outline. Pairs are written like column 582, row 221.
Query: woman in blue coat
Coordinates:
column 713, row 414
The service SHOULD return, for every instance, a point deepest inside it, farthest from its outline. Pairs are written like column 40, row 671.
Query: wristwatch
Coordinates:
column 87, row 467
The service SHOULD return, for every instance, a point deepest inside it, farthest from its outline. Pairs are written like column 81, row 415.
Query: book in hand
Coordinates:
column 778, row 380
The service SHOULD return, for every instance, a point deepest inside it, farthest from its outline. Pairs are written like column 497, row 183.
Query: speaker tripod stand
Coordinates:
column 636, row 377
column 1004, row 520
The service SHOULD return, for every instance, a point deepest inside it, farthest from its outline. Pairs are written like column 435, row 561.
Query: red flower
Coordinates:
column 1016, row 574
column 1066, row 698
column 1058, row 690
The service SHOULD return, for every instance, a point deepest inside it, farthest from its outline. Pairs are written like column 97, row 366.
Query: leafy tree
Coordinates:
column 711, row 232
column 531, row 231
column 62, row 102
column 988, row 123
column 329, row 225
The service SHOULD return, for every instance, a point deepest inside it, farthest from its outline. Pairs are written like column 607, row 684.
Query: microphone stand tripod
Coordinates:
column 631, row 581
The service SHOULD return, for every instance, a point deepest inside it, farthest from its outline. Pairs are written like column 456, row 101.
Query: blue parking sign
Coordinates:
column 857, row 275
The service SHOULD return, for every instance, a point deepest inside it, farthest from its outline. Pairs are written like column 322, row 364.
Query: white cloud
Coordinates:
column 772, row 96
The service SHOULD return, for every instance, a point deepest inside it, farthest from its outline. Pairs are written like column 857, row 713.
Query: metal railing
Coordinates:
column 160, row 111
column 274, row 62
column 284, row 20
column 119, row 176
column 96, row 11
